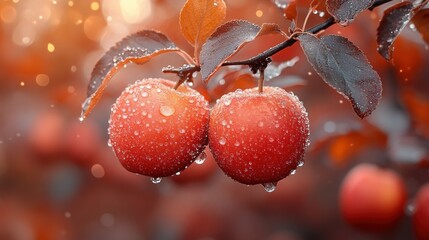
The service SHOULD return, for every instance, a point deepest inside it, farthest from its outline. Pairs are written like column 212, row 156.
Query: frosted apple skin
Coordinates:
column 158, row 131
column 258, row 138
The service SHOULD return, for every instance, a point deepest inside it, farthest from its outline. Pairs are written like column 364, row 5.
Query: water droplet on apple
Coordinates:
column 166, row 110
column 270, row 187
column 201, row 159
column 155, row 180
column 227, row 102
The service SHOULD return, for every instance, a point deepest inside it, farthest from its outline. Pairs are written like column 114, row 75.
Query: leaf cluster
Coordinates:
column 340, row 63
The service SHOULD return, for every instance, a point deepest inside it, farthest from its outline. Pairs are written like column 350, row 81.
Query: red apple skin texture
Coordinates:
column 158, row 131
column 421, row 213
column 372, row 198
column 257, row 137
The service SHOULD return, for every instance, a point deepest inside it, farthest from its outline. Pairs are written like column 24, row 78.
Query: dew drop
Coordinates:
column 200, row 159
column 109, row 143
column 227, row 102
column 222, row 141
column 145, row 94
column 300, row 163
column 182, row 131
column 261, row 124
column 344, row 22
column 155, row 180
column 224, row 123
column 136, row 133
column 270, row 187
column 124, row 116
column 178, row 173
column 236, row 144
column 271, row 139
column 166, row 110
column 293, row 172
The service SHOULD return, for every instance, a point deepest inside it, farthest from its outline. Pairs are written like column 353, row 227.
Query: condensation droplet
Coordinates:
column 300, row 163
column 344, row 22
column 227, row 102
column 261, row 124
column 145, row 94
column 136, row 133
column 200, row 159
column 293, row 172
column 224, row 123
column 166, row 110
column 109, row 143
column 155, row 180
column 270, row 187
column 271, row 139
column 236, row 144
column 222, row 141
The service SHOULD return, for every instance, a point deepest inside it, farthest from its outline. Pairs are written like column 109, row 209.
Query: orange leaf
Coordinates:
column 199, row 19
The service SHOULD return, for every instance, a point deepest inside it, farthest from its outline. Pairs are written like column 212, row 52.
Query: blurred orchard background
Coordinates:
column 60, row 180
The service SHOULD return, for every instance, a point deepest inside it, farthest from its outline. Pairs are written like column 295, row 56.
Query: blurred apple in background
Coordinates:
column 372, row 198
column 421, row 213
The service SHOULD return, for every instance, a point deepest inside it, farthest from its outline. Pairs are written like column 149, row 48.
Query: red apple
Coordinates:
column 421, row 213
column 258, row 138
column 156, row 130
column 372, row 198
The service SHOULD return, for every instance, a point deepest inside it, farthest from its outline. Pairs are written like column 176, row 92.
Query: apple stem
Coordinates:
column 185, row 73
column 178, row 83
column 261, row 80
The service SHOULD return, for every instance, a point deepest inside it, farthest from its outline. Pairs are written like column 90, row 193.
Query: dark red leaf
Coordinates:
column 345, row 68
column 137, row 48
column 394, row 20
column 421, row 21
column 226, row 41
column 345, row 11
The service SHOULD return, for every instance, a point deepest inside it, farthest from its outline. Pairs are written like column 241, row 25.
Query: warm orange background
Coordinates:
column 60, row 180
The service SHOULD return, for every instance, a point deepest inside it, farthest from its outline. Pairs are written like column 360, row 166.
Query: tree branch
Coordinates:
column 279, row 47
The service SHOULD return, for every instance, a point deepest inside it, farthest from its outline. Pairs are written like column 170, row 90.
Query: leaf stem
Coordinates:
column 289, row 42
